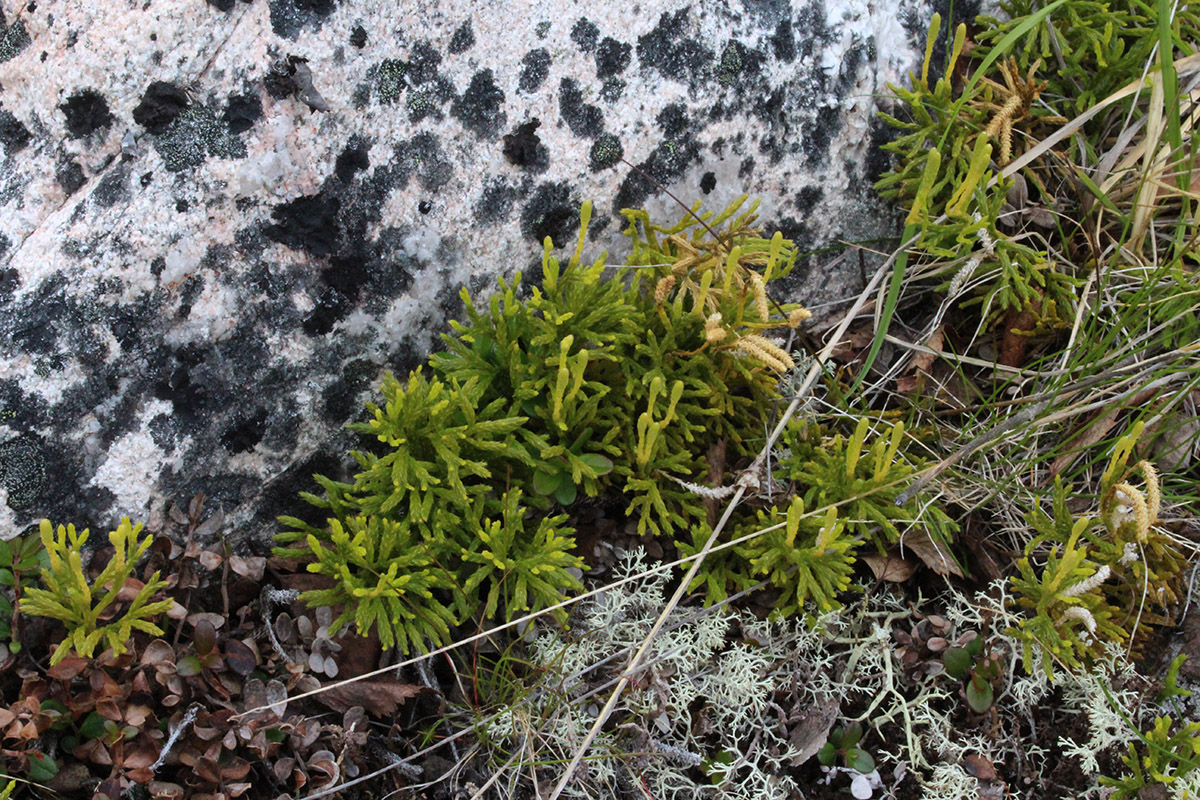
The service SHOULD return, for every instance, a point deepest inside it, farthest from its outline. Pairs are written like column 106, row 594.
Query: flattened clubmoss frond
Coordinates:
column 946, row 156
column 387, row 579
column 816, row 564
column 524, row 571
column 862, row 481
column 596, row 379
column 727, row 274
column 444, row 446
column 1172, row 754
column 78, row 604
column 812, row 557
column 1126, row 563
column 1071, row 620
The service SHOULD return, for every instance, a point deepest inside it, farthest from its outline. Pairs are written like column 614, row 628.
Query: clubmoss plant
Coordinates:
column 80, row 604
column 1094, row 570
column 950, row 149
column 1171, row 755
column 628, row 381
column 850, row 489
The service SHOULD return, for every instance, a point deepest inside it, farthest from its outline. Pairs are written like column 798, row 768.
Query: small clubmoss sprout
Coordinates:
column 80, row 604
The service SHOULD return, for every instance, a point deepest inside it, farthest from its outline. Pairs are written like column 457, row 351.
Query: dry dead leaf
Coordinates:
column 891, row 568
column 248, row 566
column 380, row 698
column 935, row 555
column 1096, row 430
column 922, row 361
column 812, row 729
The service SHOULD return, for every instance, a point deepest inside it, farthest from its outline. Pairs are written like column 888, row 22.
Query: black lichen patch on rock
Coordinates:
column 13, row 39
column 279, row 496
column 783, row 41
column 878, row 161
column 479, row 107
column 23, row 470
column 129, row 321
column 428, row 90
column 612, row 57
column 358, row 37
column 14, row 136
column 496, row 200
column 342, row 398
column 246, row 433
column 675, row 54
column 729, row 68
column 667, row 162
column 112, row 189
column 185, row 378
column 86, row 112
column 523, row 147
column 820, row 135
column 612, row 90
column 289, row 17
column 535, row 66
column 222, row 5
column 606, row 152
column 70, row 177
column 193, row 136
column 585, row 34
column 550, row 212
column 188, row 292
column 8, row 277
column 708, row 182
column 351, row 160
column 422, row 65
column 161, row 104
column 422, row 157
column 808, row 197
column 583, row 119
column 33, row 326
column 463, row 38
column 20, row 411
column 242, row 111
column 307, row 223
column 389, row 79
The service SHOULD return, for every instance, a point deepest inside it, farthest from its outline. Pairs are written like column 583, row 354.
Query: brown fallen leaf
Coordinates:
column 891, row 568
column 1094, row 431
column 248, row 566
column 935, row 555
column 1017, row 327
column 812, row 729
column 991, row 786
column 921, row 360
column 380, row 698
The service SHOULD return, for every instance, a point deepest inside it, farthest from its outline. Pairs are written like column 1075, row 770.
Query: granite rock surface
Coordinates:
column 221, row 221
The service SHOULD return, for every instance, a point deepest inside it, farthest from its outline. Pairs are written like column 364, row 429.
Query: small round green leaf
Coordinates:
column 546, row 483
column 852, row 735
column 189, row 666
column 566, row 493
column 42, row 767
column 957, row 661
column 601, row 464
column 204, row 637
column 860, row 760
column 979, row 694
column 827, row 754
column 92, row 726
